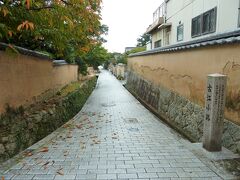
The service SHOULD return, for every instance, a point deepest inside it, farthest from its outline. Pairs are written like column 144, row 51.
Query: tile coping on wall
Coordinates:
column 219, row 39
column 25, row 51
column 37, row 54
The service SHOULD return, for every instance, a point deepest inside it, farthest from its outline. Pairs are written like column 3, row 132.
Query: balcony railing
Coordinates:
column 160, row 12
column 158, row 18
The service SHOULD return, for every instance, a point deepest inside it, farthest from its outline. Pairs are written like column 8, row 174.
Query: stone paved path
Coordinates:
column 113, row 137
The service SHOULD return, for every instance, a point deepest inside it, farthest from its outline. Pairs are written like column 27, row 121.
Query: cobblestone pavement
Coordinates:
column 113, row 137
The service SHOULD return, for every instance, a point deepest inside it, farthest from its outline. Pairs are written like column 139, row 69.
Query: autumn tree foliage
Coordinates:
column 64, row 28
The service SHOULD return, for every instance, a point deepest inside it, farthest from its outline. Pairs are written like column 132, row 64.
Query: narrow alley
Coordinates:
column 112, row 137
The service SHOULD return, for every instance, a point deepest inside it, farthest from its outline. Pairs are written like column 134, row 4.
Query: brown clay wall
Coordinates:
column 23, row 78
column 185, row 72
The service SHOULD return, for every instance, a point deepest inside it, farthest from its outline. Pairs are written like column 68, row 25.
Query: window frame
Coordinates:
column 179, row 26
column 210, row 12
column 159, row 42
column 214, row 10
column 200, row 28
column 239, row 16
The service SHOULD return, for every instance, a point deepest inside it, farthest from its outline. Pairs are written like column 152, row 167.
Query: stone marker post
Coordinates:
column 214, row 112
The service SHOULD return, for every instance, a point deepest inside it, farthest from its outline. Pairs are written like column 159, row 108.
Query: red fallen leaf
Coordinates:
column 45, row 149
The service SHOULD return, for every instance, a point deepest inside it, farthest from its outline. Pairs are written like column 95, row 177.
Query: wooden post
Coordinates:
column 214, row 112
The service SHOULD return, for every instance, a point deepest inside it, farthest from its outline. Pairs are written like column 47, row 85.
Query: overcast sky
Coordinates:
column 127, row 20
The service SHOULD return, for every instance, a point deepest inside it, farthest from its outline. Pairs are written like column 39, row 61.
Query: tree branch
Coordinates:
column 67, row 3
column 40, row 8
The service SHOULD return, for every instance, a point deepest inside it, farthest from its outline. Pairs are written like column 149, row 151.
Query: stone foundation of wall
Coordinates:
column 20, row 128
column 179, row 112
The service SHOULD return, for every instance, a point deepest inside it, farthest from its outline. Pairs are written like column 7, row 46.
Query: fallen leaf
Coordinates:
column 65, row 153
column 97, row 142
column 66, row 125
column 29, row 154
column 3, row 178
column 93, row 137
column 45, row 149
column 60, row 172
column 39, row 162
column 69, row 136
column 46, row 163
column 79, row 126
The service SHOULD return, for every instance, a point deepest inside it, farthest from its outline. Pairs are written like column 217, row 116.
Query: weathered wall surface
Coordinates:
column 20, row 128
column 23, row 78
column 173, row 85
column 185, row 72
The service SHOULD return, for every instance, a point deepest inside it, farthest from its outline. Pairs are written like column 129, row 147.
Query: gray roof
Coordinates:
column 220, row 39
column 59, row 62
column 24, row 51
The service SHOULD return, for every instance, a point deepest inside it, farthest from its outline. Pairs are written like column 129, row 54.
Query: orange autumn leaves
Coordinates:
column 30, row 153
column 5, row 11
column 25, row 25
column 53, row 26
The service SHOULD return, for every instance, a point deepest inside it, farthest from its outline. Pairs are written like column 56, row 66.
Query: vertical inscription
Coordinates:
column 214, row 112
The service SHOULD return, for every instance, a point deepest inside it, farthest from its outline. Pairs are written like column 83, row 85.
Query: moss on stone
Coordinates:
column 27, row 126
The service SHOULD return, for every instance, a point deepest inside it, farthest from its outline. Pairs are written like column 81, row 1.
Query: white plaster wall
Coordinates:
column 228, row 16
column 157, row 35
column 182, row 11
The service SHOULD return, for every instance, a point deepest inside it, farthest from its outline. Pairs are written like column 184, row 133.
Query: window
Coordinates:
column 196, row 26
column 239, row 15
column 204, row 23
column 157, row 43
column 209, row 21
column 180, row 32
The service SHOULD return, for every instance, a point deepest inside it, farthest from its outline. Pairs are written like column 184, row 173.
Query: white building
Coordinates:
column 178, row 21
